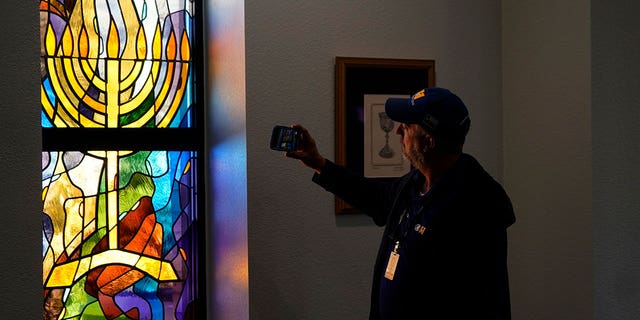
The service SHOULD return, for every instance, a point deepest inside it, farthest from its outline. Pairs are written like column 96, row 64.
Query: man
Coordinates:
column 444, row 248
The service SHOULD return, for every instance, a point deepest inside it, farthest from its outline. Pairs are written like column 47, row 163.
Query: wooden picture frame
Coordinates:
column 356, row 78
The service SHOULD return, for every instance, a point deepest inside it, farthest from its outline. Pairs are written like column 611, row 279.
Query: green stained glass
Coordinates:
column 139, row 112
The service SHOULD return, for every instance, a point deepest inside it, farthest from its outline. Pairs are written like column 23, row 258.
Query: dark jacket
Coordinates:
column 458, row 260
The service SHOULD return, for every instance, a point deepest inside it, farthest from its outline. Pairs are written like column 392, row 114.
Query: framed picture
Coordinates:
column 366, row 142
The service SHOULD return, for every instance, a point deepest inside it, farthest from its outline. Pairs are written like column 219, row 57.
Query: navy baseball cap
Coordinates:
column 437, row 110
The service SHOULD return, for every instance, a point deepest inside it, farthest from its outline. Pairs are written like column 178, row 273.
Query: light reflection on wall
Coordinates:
column 226, row 143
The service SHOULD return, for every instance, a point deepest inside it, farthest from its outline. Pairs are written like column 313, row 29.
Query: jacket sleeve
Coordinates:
column 374, row 197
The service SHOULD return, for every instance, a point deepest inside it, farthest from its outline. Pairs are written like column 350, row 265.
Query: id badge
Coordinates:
column 391, row 266
column 393, row 262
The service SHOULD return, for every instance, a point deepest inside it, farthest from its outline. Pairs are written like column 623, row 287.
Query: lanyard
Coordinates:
column 412, row 204
column 394, row 235
column 416, row 205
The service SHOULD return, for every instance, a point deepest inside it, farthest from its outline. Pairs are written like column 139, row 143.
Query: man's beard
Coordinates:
column 415, row 157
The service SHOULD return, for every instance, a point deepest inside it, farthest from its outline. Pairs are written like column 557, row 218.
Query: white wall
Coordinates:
column 616, row 158
column 547, row 156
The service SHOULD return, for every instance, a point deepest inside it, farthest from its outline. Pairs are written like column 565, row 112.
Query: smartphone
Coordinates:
column 285, row 138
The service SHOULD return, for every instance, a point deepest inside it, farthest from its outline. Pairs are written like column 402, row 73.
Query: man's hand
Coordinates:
column 307, row 151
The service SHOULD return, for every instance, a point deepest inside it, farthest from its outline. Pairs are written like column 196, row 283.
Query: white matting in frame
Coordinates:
column 382, row 149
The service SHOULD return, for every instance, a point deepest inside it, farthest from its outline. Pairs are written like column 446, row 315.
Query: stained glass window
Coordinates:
column 122, row 126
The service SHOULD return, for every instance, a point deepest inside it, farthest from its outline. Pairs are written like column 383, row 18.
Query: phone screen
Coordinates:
column 284, row 138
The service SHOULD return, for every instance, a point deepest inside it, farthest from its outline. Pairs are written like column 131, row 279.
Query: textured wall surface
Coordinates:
column 20, row 201
column 547, row 156
column 616, row 157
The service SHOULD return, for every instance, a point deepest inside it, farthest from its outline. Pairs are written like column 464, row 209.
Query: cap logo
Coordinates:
column 417, row 96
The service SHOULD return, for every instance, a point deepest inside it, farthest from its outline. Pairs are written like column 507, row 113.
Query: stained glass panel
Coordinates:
column 119, row 237
column 116, row 64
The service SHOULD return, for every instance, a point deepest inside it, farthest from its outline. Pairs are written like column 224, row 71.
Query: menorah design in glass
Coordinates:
column 118, row 225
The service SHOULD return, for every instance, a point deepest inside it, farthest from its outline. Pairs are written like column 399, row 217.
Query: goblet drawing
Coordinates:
column 386, row 124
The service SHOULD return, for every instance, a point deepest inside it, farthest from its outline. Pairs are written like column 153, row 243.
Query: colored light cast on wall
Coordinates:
column 119, row 227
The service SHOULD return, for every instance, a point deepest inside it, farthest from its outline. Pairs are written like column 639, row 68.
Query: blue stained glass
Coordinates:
column 51, row 97
column 183, row 116
column 162, row 175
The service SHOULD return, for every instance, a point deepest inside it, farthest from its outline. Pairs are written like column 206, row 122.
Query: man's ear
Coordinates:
column 429, row 142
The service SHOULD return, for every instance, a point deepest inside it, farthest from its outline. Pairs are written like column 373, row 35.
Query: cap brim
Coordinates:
column 399, row 109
